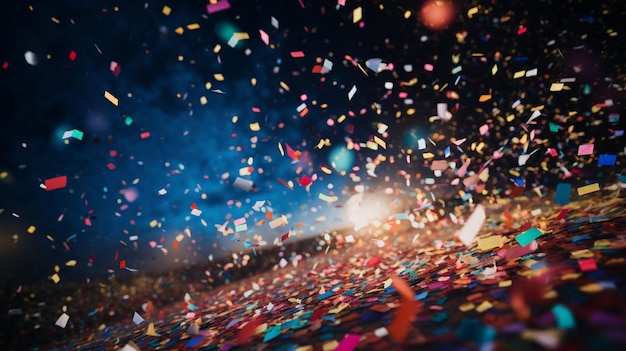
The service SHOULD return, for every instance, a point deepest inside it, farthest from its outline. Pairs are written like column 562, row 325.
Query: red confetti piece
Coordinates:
column 88, row 222
column 145, row 135
column 522, row 30
column 72, row 55
column 561, row 214
column 5, row 65
column 110, row 166
column 56, row 183
column 305, row 180
column 297, row 54
column 284, row 236
column 122, row 264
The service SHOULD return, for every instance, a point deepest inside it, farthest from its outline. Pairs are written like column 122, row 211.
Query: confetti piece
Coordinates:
column 297, row 54
column 472, row 226
column 585, row 149
column 218, row 6
column 243, row 184
column 144, row 135
column 236, row 38
column 352, row 92
column 564, row 317
column 55, row 183
column 329, row 199
column 490, row 242
column 31, row 58
column 607, row 160
column 62, row 320
column 349, row 342
column 255, row 127
column 264, row 37
column 137, row 318
column 528, row 236
column 166, row 10
column 562, row 193
column 588, row 189
column 112, row 99
column 357, row 14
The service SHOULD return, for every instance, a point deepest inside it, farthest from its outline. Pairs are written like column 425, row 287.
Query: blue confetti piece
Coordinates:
column 607, row 160
column 194, row 342
column 325, row 295
column 473, row 330
column 420, row 296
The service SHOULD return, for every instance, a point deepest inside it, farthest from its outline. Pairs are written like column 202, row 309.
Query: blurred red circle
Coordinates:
column 437, row 14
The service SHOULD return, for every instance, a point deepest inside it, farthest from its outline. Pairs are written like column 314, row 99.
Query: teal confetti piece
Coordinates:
column 271, row 333
column 526, row 237
column 562, row 193
column 564, row 317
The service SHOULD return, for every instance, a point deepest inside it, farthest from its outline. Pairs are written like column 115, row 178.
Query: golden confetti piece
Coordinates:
column 49, row 238
column 407, row 14
column 55, row 278
column 486, row 305
column 166, row 10
column 471, row 12
column 326, row 170
column 357, row 14
column 484, row 98
column 380, row 142
column 494, row 69
column 255, row 127
column 193, row 26
column 591, row 288
column 70, row 263
column 467, row 307
column 153, row 223
column 489, row 243
column 151, row 331
column 505, row 283
column 31, row 229
column 556, row 86
column 519, row 74
column 570, row 276
column 112, row 99
column 584, row 253
column 218, row 77
column 217, row 48
column 179, row 30
column 327, row 198
column 284, row 85
column 203, row 100
column 588, row 189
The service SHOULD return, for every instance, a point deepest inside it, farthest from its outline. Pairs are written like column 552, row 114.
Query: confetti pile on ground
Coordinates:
column 312, row 175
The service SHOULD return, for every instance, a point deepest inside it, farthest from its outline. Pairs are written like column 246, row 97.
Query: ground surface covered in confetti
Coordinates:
column 564, row 289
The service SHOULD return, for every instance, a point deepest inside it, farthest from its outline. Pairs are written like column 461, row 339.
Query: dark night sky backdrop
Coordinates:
column 191, row 146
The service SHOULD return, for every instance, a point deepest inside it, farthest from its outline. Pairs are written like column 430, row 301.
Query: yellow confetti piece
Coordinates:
column 486, row 305
column 552, row 294
column 494, row 69
column 55, row 278
column 193, row 26
column 330, row 346
column 166, row 10
column 591, row 288
column 372, row 145
column 428, row 155
column 584, row 253
column 327, row 198
column 49, row 237
column 556, row 86
column 326, row 170
column 471, row 12
column 283, row 85
column 31, row 229
column 588, row 189
column 70, row 263
column 570, row 276
column 467, row 307
column 112, row 99
column 357, row 14
column 380, row 142
column 151, row 331
column 407, row 14
column 255, row 127
column 601, row 242
column 505, row 283
column 489, row 243
column 179, row 30
column 519, row 74
column 203, row 100
column 153, row 223
column 218, row 77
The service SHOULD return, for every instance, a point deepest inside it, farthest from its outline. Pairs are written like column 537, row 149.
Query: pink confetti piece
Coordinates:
column 349, row 342
column 145, row 135
column 429, row 67
column 484, row 129
column 585, row 149
column 218, row 6
column 264, row 37
column 297, row 54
